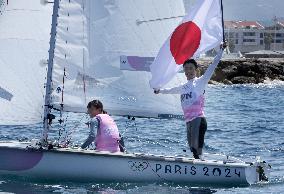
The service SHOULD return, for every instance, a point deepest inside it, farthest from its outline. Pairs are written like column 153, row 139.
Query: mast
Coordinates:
column 223, row 26
column 47, row 106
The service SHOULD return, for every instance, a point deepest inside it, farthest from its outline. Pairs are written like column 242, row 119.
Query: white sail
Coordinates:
column 71, row 50
column 24, row 35
column 99, row 33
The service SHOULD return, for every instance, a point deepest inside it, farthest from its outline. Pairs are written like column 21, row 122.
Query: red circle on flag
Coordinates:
column 185, row 41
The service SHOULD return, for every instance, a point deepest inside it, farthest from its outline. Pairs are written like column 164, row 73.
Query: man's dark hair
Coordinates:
column 192, row 61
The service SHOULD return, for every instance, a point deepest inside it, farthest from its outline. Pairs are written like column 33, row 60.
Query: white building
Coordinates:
column 248, row 36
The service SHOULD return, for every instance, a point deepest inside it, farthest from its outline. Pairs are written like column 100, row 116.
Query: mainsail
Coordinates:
column 92, row 38
column 24, row 33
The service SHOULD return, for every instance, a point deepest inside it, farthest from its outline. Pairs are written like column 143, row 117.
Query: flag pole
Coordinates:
column 223, row 21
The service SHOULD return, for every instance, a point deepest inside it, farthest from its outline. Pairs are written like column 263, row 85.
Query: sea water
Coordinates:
column 244, row 121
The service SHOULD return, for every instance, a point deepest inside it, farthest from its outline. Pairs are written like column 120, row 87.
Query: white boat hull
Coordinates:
column 89, row 165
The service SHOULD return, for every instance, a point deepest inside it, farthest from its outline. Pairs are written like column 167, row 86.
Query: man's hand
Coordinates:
column 156, row 91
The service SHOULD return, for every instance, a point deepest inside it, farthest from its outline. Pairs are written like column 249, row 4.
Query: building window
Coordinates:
column 261, row 35
column 249, row 40
column 278, row 41
column 237, row 35
column 261, row 42
column 236, row 41
column 249, row 33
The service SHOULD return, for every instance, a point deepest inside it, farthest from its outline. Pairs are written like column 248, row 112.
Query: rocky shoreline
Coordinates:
column 246, row 71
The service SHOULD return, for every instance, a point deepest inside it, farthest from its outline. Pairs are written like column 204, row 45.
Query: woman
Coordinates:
column 192, row 101
column 107, row 138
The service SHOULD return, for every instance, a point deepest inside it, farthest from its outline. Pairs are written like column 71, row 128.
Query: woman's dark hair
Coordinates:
column 97, row 104
column 192, row 61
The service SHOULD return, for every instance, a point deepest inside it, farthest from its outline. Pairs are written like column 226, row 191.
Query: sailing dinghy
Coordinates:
column 99, row 49
column 20, row 158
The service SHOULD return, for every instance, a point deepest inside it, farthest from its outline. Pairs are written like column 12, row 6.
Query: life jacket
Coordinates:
column 192, row 99
column 107, row 135
column 195, row 109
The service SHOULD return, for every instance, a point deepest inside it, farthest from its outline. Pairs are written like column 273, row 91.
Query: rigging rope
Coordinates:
column 68, row 135
column 129, row 124
column 84, row 81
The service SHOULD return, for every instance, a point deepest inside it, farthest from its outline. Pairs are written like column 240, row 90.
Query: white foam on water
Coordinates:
column 273, row 82
column 268, row 83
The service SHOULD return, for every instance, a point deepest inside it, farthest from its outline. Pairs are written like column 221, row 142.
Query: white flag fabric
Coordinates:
column 200, row 30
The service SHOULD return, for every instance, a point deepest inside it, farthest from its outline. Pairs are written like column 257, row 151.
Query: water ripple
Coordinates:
column 243, row 121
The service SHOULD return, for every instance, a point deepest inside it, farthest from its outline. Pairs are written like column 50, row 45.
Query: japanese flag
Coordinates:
column 199, row 31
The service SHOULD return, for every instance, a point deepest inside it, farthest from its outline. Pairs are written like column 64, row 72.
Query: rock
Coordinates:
column 250, row 73
column 280, row 77
column 230, row 71
column 245, row 71
column 262, row 69
column 259, row 79
column 227, row 82
column 244, row 68
column 276, row 69
column 243, row 80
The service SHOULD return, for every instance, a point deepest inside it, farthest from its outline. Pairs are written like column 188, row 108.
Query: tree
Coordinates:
column 267, row 40
column 231, row 44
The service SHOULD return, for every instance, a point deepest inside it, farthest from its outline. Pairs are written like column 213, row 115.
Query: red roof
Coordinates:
column 243, row 24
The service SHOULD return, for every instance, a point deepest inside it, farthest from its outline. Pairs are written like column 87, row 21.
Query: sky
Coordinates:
column 251, row 9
